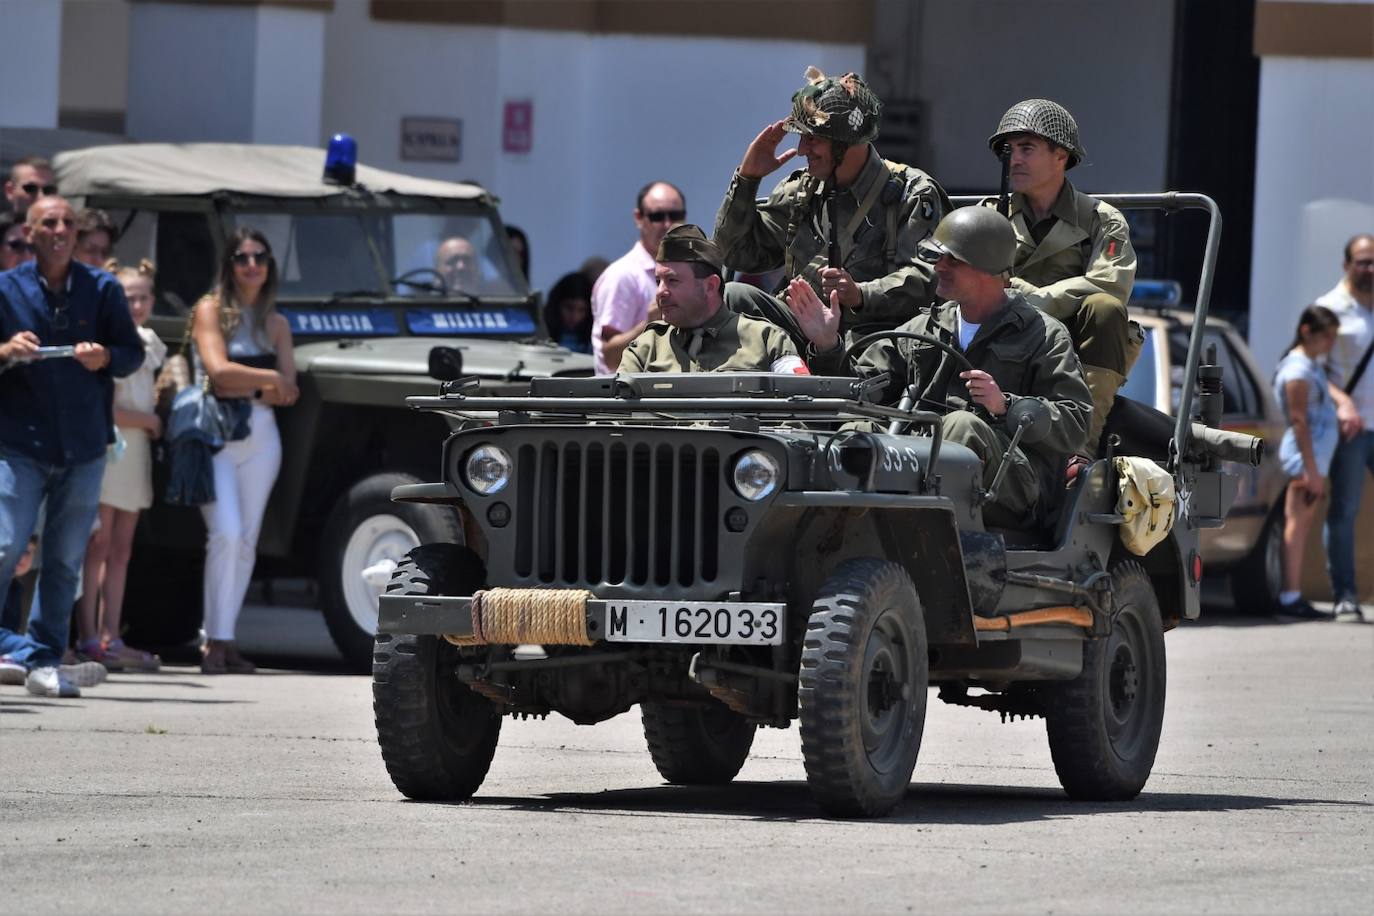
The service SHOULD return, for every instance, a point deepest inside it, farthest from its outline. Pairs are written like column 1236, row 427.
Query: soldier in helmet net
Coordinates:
column 871, row 212
column 1017, row 351
column 1074, row 258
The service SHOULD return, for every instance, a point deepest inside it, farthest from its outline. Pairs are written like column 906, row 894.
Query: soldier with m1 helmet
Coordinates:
column 1016, row 350
column 880, row 211
column 1074, row 258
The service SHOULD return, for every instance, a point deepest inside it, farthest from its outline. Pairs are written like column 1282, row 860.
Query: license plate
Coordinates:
column 727, row 622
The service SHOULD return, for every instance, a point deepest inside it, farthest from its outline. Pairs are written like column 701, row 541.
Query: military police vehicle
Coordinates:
column 732, row 551
column 382, row 276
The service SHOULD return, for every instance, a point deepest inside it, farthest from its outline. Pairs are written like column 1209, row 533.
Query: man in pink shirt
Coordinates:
column 624, row 293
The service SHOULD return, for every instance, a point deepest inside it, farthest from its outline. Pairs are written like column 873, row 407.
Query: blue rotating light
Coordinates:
column 341, row 160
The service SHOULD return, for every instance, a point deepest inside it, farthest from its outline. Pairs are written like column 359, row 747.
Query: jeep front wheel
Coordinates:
column 366, row 537
column 863, row 682
column 1104, row 725
column 436, row 735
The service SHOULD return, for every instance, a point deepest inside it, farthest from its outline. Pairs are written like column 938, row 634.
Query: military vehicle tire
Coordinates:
column 1258, row 579
column 366, row 529
column 697, row 747
column 1104, row 726
column 862, row 688
column 436, row 735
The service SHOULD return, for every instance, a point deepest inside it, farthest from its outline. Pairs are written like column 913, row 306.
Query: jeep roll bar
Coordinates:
column 1170, row 202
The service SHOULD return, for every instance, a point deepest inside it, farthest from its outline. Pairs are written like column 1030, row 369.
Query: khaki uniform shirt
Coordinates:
column 729, row 343
column 792, row 229
column 1027, row 352
column 1086, row 250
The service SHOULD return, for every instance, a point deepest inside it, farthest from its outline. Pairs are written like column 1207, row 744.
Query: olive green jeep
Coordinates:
column 373, row 310
column 739, row 550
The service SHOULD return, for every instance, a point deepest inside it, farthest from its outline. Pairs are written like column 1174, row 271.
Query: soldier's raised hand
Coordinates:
column 761, row 158
column 819, row 323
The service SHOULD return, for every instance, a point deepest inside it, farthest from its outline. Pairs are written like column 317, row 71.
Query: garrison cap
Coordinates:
column 841, row 108
column 689, row 243
column 979, row 236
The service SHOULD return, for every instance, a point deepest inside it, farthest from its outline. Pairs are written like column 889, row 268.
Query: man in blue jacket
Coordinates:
column 56, row 419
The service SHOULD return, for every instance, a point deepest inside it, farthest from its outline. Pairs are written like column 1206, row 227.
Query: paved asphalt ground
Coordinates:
column 178, row 792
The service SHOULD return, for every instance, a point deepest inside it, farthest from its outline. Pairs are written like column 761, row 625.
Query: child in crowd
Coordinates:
column 127, row 489
column 1300, row 387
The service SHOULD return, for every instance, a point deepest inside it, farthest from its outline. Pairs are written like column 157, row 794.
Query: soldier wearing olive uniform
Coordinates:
column 1018, row 351
column 1074, row 258
column 697, row 333
column 880, row 210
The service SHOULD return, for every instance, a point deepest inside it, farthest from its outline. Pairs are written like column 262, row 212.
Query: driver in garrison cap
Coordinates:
column 1016, row 351
column 880, row 209
column 697, row 333
column 1074, row 258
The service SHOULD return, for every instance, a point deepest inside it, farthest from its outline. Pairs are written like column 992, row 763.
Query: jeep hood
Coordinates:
column 500, row 359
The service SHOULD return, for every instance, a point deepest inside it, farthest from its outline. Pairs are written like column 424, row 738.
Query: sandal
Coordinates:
column 235, row 663
column 212, row 659
column 131, row 658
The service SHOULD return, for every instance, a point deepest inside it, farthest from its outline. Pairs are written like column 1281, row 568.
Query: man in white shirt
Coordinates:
column 1353, row 302
column 624, row 293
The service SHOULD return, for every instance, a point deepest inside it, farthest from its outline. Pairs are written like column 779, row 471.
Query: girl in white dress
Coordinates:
column 126, row 490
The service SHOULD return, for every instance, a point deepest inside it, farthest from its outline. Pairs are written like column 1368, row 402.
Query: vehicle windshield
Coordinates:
column 423, row 256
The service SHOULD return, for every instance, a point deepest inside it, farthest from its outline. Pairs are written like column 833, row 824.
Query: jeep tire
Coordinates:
column 437, row 736
column 365, row 528
column 703, row 746
column 862, row 688
column 1104, row 725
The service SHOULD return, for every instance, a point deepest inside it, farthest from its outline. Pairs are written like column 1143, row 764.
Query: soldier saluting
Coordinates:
column 1074, row 258
column 848, row 205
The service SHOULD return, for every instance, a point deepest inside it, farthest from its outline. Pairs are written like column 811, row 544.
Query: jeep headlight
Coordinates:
column 756, row 474
column 488, row 469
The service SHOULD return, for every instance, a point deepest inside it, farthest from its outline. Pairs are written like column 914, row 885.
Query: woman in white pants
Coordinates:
column 244, row 345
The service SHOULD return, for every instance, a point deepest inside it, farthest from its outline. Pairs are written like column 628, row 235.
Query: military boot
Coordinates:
column 1104, row 384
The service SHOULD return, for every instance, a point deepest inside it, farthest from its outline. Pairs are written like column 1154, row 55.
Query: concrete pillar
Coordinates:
column 248, row 74
column 31, row 65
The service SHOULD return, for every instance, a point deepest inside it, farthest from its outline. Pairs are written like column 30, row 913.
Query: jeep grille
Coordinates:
column 618, row 513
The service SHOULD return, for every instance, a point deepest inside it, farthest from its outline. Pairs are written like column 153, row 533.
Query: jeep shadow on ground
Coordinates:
column 925, row 803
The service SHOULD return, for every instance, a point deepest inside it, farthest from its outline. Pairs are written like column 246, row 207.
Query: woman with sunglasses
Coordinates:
column 243, row 345
column 14, row 242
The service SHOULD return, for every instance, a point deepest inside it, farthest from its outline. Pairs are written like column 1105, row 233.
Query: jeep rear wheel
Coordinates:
column 863, row 683
column 697, row 747
column 436, row 735
column 366, row 537
column 1104, row 726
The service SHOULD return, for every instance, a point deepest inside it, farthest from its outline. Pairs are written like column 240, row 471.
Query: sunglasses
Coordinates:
column 666, row 216
column 32, row 188
column 19, row 245
column 244, row 258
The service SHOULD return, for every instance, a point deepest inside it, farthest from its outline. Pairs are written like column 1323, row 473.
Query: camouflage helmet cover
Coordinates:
column 841, row 108
column 979, row 236
column 1044, row 119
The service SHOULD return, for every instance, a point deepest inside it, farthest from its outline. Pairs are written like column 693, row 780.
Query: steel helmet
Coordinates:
column 979, row 236
column 842, row 109
column 1044, row 119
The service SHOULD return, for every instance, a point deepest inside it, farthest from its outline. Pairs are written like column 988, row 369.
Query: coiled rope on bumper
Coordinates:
column 543, row 616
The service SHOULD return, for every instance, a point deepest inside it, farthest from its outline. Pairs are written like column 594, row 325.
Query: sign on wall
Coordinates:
column 431, row 139
column 517, row 126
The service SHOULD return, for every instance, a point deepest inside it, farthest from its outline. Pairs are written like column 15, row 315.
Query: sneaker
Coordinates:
column 1302, row 609
column 50, row 682
column 1349, row 608
column 94, row 650
column 84, row 674
column 12, row 672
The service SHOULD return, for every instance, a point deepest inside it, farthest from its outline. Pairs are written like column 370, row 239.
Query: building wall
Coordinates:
column 95, row 63
column 611, row 112
column 977, row 59
column 29, row 64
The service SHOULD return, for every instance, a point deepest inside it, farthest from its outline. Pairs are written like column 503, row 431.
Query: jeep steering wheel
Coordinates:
column 438, row 286
column 858, row 346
